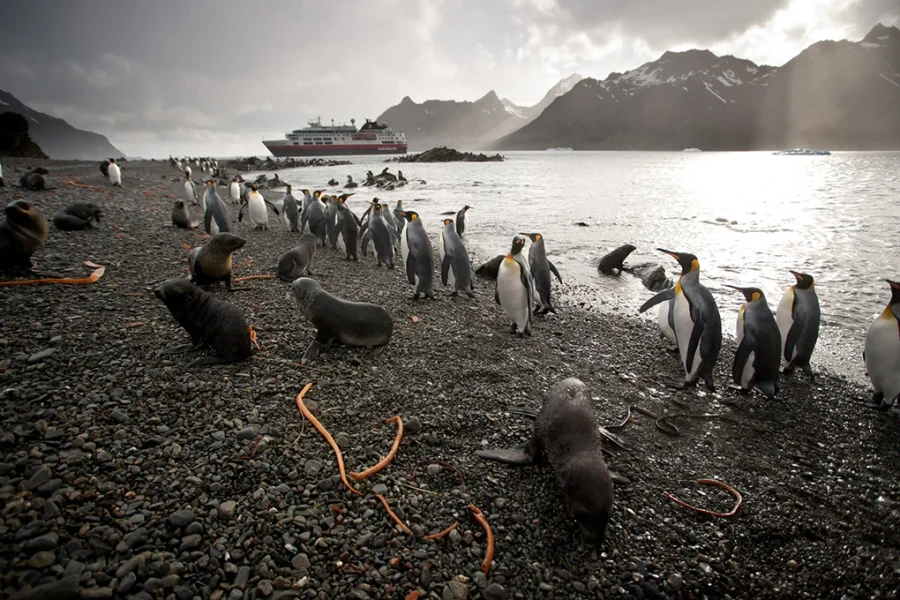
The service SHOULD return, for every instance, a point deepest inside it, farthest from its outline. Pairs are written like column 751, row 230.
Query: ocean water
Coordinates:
column 748, row 216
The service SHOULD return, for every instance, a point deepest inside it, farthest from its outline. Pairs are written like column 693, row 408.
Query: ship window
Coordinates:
column 307, row 143
column 296, row 143
column 318, row 143
column 328, row 143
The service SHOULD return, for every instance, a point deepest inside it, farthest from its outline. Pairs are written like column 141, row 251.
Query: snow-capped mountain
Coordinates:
column 833, row 95
column 56, row 137
column 466, row 125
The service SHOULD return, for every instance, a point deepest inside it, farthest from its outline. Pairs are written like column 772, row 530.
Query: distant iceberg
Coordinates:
column 559, row 150
column 692, row 150
column 803, row 152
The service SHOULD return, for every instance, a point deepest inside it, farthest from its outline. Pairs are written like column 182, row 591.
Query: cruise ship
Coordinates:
column 334, row 140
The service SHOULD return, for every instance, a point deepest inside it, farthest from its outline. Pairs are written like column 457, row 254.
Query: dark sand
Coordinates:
column 118, row 467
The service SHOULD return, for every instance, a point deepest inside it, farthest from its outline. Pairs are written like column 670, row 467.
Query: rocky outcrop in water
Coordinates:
column 14, row 137
column 445, row 154
column 253, row 163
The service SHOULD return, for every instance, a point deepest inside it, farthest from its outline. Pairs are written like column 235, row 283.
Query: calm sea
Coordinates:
column 749, row 217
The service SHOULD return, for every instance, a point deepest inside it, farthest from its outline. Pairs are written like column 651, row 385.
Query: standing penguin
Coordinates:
column 798, row 318
column 290, row 209
column 189, row 190
column 391, row 221
column 416, row 252
column 215, row 217
column 882, row 354
column 398, row 216
column 256, row 208
column 515, row 289
column 115, row 173
column 347, row 228
column 234, row 190
column 379, row 233
column 461, row 220
column 758, row 358
column 331, row 220
column 540, row 272
column 104, row 168
column 187, row 170
column 455, row 266
column 304, row 204
column 696, row 321
column 315, row 216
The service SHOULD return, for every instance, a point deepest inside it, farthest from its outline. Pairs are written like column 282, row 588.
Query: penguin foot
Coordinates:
column 513, row 328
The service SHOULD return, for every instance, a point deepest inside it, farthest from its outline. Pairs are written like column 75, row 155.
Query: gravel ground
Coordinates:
column 124, row 475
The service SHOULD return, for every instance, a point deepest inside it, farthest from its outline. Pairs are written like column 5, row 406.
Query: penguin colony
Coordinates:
column 688, row 314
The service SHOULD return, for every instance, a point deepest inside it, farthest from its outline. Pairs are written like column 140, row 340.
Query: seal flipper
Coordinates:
column 445, row 268
column 664, row 295
column 554, row 271
column 522, row 456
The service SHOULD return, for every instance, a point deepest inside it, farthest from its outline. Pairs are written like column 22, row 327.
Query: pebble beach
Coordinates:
column 123, row 474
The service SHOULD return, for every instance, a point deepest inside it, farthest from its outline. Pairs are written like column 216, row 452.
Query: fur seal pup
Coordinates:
column 295, row 262
column 567, row 436
column 337, row 320
column 181, row 218
column 80, row 215
column 614, row 260
column 208, row 320
column 211, row 263
column 490, row 269
column 22, row 233
column 34, row 182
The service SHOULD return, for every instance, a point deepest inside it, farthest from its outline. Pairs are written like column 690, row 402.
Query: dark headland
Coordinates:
column 122, row 474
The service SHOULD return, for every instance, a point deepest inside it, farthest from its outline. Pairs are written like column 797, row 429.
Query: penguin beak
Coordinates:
column 798, row 276
column 674, row 255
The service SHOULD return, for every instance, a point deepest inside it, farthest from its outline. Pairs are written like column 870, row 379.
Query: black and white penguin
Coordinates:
column 757, row 361
column 115, row 173
column 461, row 220
column 695, row 319
column 798, row 318
column 882, row 354
column 415, row 248
column 541, row 267
column 515, row 289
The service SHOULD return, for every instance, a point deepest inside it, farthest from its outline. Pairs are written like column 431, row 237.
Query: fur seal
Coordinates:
column 33, row 181
column 22, row 233
column 490, row 269
column 295, row 262
column 567, row 435
column 613, row 261
column 208, row 320
column 80, row 215
column 181, row 218
column 211, row 263
column 337, row 320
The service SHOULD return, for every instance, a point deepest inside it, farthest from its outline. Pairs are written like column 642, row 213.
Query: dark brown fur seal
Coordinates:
column 33, row 181
column 613, row 261
column 490, row 269
column 181, row 218
column 80, row 215
column 337, row 320
column 295, row 262
column 211, row 263
column 567, row 435
column 208, row 320
column 22, row 233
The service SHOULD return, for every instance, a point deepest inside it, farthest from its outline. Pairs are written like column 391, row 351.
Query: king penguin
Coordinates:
column 758, row 357
column 256, row 207
column 456, row 270
column 234, row 190
column 798, row 318
column 291, row 210
column 115, row 173
column 695, row 319
column 882, row 354
column 541, row 268
column 215, row 217
column 189, row 190
column 461, row 220
column 416, row 252
column 515, row 289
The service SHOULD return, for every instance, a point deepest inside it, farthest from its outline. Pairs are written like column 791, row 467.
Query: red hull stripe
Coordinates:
column 317, row 147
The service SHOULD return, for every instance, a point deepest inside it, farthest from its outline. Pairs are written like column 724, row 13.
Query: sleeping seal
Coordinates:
column 567, row 435
column 337, row 320
column 80, row 215
column 613, row 261
column 211, row 263
column 208, row 320
column 295, row 262
column 21, row 234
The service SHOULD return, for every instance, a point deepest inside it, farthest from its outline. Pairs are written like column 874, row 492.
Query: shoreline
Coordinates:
column 132, row 439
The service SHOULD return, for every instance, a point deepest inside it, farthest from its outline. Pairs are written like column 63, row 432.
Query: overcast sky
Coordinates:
column 216, row 77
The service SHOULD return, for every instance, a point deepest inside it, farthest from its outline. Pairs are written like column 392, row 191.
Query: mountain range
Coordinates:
column 833, row 95
column 57, row 138
column 466, row 124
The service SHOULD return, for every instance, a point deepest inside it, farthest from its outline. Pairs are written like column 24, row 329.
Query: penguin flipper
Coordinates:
column 364, row 243
column 554, row 271
column 664, row 295
column 696, row 334
column 274, row 208
column 242, row 211
column 207, row 220
column 740, row 360
column 496, row 295
column 791, row 342
column 411, row 268
column 445, row 268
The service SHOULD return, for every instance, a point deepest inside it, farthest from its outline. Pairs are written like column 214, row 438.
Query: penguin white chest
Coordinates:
column 257, row 208
column 512, row 293
column 684, row 326
column 451, row 276
column 664, row 325
column 883, row 356
column 235, row 191
column 784, row 317
column 404, row 243
column 189, row 192
column 115, row 174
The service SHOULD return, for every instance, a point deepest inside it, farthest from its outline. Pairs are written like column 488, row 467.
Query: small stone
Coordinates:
column 379, row 488
column 265, row 587
column 190, row 542
column 342, row 440
column 247, row 433
column 312, row 467
column 227, row 509
column 412, row 426
column 118, row 416
column 792, row 564
column 41, row 560
column 47, row 541
column 152, row 584
column 494, row 591
column 545, row 587
column 51, row 510
column 300, row 562
column 170, row 581
column 42, row 355
column 243, row 575
column 458, row 589
column 97, row 592
column 425, row 577
column 181, row 518
column 126, row 583
column 38, row 478
column 434, row 469
column 183, row 592
column 675, row 582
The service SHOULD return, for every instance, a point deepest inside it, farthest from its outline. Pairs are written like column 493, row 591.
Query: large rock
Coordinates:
column 445, row 154
column 653, row 276
column 14, row 137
